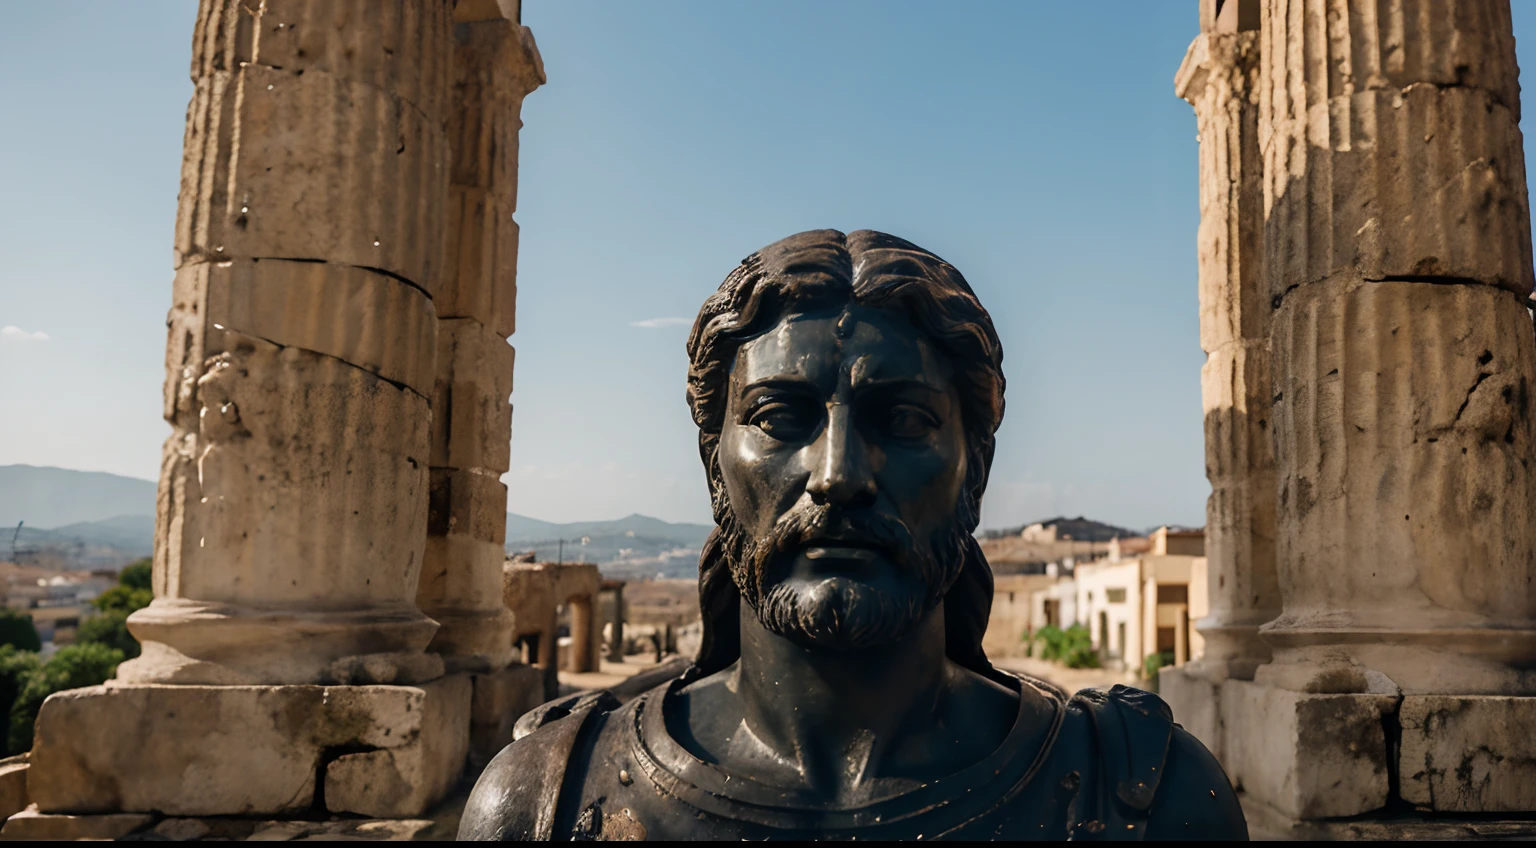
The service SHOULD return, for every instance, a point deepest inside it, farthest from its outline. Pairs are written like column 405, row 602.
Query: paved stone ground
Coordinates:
column 1070, row 679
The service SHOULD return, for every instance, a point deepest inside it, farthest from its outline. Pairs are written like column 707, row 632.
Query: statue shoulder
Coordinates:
column 1196, row 801
column 516, row 797
column 1155, row 778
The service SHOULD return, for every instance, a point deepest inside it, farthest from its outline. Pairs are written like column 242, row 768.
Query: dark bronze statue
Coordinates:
column 847, row 390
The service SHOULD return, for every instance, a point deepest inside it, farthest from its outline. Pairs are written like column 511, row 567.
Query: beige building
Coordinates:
column 1140, row 606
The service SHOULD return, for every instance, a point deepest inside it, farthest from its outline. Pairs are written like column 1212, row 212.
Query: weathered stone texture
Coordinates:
column 399, row 47
column 13, row 786
column 1391, row 143
column 1402, row 412
column 1469, row 754
column 461, row 583
column 303, row 483
column 1219, row 77
column 311, row 167
column 30, row 825
column 244, row 750
column 1199, row 703
column 471, row 401
column 496, row 65
column 361, row 317
column 1309, row 756
column 404, row 780
column 500, row 699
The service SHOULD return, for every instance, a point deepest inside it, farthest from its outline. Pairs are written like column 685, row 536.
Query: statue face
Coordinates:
column 843, row 454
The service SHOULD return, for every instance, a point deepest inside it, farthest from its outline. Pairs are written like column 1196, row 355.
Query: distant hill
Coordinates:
column 1080, row 529
column 54, row 497
column 630, row 546
column 89, row 519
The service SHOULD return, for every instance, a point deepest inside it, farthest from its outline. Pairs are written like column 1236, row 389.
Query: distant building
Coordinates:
column 1136, row 597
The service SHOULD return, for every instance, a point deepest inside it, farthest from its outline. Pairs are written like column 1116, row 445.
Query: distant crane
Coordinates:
column 14, row 537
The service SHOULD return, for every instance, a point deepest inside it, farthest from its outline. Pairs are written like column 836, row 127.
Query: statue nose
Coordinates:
column 842, row 476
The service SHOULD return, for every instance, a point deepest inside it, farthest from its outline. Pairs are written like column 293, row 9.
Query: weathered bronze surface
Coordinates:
column 847, row 390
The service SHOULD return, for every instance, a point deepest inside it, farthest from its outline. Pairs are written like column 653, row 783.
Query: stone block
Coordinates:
column 31, row 825
column 297, row 480
column 404, row 781
column 239, row 750
column 1307, row 756
column 1469, row 754
column 1196, row 705
column 480, row 278
column 311, row 167
column 362, row 317
column 1402, row 436
column 500, row 699
column 1425, row 182
column 471, row 407
column 403, row 48
column 13, row 785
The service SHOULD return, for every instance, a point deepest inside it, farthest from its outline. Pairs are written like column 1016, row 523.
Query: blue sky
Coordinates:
column 1036, row 146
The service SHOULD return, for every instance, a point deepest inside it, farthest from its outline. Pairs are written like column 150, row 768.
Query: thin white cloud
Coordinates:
column 20, row 335
column 658, row 323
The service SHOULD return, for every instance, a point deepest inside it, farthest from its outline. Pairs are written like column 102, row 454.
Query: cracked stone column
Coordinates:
column 1398, row 252
column 495, row 66
column 1219, row 77
column 309, row 247
column 285, row 668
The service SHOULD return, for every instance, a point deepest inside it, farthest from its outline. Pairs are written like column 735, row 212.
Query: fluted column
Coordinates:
column 1398, row 254
column 1219, row 77
column 309, row 248
column 495, row 65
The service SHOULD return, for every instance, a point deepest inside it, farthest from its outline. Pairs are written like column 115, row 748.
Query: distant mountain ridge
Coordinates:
column 90, row 519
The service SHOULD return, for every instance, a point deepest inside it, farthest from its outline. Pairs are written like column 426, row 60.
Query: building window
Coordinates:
column 1114, row 596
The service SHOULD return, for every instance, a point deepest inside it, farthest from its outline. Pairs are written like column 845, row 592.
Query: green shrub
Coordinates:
column 110, row 629
column 136, row 575
column 1153, row 662
column 1072, row 647
column 110, row 626
column 124, row 598
column 73, row 666
column 18, row 631
column 15, row 667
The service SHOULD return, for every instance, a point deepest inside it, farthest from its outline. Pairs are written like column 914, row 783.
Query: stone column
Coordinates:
column 1219, row 77
column 1397, row 264
column 1398, row 247
column 495, row 65
column 308, row 251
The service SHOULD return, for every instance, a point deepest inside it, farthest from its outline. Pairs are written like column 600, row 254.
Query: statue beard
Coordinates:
column 841, row 613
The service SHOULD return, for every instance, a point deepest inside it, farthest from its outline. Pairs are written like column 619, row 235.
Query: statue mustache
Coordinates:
column 825, row 522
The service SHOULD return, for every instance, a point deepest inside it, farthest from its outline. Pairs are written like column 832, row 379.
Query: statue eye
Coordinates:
column 909, row 422
column 783, row 421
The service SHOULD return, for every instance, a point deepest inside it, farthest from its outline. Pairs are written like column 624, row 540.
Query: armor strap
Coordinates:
column 1133, row 729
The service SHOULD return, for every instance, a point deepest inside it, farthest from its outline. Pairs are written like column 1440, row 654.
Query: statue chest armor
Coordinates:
column 639, row 784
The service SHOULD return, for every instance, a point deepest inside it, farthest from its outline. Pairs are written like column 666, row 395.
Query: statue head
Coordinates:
column 847, row 389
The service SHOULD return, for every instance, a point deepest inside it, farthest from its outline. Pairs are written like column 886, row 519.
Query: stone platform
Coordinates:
column 376, row 751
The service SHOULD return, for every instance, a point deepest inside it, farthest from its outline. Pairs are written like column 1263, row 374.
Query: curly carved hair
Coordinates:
column 827, row 269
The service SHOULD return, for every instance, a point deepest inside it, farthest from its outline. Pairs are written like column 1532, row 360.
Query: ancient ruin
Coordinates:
column 329, row 632
column 1365, row 263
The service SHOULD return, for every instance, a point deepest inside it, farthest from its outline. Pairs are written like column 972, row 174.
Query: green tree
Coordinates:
column 111, row 629
column 124, row 598
column 17, row 629
column 136, row 575
column 74, row 666
column 15, row 667
column 1072, row 647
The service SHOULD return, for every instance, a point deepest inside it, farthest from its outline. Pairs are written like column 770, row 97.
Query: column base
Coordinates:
column 473, row 641
column 1465, row 660
column 1266, row 823
column 202, row 643
column 381, row 751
